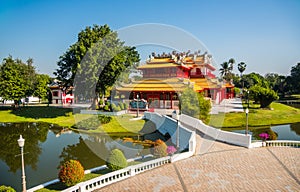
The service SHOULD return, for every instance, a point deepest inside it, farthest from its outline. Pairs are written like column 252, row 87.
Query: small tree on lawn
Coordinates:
column 71, row 172
column 116, row 160
column 265, row 96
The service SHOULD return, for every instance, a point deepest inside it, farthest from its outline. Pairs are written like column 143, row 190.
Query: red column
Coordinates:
column 171, row 97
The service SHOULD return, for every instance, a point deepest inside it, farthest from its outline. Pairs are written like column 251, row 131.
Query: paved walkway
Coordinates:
column 228, row 105
column 222, row 168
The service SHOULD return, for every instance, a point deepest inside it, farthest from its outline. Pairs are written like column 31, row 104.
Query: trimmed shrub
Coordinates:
column 115, row 108
column 4, row 188
column 104, row 119
column 106, row 108
column 122, row 106
column 71, row 173
column 125, row 106
column 94, row 122
column 116, row 160
column 160, row 149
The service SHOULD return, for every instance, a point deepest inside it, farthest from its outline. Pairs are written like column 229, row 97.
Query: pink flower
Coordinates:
column 171, row 149
column 264, row 136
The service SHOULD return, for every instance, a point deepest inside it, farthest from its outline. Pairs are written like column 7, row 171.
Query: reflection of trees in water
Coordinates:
column 296, row 128
column 83, row 153
column 272, row 134
column 33, row 133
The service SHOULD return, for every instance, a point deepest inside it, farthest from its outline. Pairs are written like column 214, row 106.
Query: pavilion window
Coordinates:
column 161, row 96
column 131, row 95
column 168, row 96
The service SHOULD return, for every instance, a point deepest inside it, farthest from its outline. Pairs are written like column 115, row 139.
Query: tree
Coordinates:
column 254, row 79
column 189, row 103
column 242, row 67
column 295, row 79
column 194, row 104
column 95, row 62
column 226, row 69
column 41, row 86
column 265, row 96
column 205, row 107
column 16, row 79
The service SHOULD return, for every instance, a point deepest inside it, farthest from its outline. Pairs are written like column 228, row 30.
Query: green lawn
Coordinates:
column 279, row 114
column 66, row 117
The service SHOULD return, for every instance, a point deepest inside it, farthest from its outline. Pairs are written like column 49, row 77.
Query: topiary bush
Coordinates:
column 71, row 173
column 93, row 122
column 115, row 108
column 4, row 188
column 122, row 107
column 125, row 106
column 160, row 148
column 116, row 160
column 104, row 119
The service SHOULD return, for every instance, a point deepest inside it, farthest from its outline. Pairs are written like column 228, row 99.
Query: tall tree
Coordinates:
column 295, row 78
column 15, row 81
column 95, row 61
column 226, row 69
column 41, row 86
column 242, row 67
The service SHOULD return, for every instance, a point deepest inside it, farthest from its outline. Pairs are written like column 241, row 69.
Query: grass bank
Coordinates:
column 278, row 115
column 66, row 117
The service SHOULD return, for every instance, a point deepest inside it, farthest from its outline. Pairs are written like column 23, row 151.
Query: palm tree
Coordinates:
column 242, row 67
column 226, row 69
column 231, row 62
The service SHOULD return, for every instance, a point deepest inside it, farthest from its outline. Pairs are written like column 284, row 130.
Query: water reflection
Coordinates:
column 81, row 151
column 33, row 133
column 279, row 132
column 46, row 146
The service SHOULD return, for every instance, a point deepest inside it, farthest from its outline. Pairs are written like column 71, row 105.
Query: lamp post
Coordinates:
column 137, row 106
column 248, row 98
column 177, row 131
column 21, row 143
column 247, row 111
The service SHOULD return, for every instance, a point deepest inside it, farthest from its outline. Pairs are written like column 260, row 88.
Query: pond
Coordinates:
column 283, row 132
column 46, row 146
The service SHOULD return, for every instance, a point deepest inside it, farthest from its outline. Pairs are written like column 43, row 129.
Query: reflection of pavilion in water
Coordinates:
column 63, row 131
column 166, row 75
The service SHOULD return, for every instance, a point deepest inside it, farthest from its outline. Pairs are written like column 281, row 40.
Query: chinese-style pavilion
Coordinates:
column 164, row 77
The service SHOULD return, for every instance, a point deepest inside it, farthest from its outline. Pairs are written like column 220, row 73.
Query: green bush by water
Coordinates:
column 116, row 160
column 4, row 188
column 94, row 122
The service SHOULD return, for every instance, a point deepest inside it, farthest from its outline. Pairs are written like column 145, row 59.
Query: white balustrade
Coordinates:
column 282, row 143
column 119, row 175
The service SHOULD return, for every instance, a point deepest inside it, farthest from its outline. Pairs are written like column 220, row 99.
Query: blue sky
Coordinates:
column 265, row 34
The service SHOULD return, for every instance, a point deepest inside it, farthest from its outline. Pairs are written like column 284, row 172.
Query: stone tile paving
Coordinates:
column 223, row 168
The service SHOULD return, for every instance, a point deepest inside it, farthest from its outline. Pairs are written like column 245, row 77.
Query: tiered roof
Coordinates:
column 184, row 60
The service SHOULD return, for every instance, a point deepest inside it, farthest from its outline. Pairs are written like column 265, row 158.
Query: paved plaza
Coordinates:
column 222, row 168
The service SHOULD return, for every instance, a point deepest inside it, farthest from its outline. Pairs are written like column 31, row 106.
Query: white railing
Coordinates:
column 217, row 134
column 127, row 172
column 119, row 175
column 282, row 143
